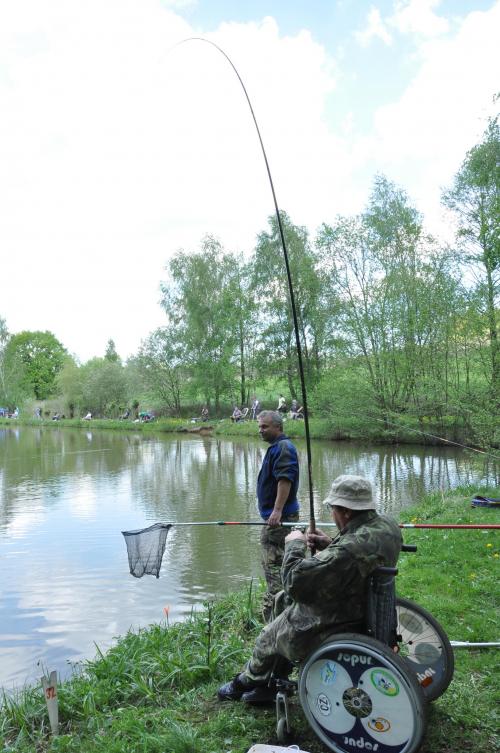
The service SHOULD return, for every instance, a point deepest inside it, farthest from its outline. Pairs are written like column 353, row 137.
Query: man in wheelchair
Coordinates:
column 323, row 594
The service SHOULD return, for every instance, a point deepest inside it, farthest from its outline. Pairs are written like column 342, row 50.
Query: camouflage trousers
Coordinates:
column 272, row 540
column 269, row 653
column 284, row 642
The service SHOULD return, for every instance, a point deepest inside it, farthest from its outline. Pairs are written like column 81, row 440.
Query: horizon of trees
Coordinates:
column 392, row 322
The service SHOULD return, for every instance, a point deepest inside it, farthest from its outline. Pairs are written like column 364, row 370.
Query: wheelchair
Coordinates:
column 368, row 691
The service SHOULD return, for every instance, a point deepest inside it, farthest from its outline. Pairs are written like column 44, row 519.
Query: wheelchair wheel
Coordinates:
column 357, row 694
column 425, row 647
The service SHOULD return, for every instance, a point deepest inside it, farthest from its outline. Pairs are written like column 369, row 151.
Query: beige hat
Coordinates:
column 353, row 492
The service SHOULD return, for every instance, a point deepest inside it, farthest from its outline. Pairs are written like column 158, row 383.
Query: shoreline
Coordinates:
column 320, row 428
column 155, row 689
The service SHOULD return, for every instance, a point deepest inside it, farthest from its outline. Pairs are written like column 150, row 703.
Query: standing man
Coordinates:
column 255, row 408
column 277, row 486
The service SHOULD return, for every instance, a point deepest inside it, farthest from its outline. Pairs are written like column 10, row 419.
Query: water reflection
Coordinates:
column 66, row 495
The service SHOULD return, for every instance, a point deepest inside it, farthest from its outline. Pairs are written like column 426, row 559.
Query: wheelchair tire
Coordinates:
column 425, row 648
column 357, row 694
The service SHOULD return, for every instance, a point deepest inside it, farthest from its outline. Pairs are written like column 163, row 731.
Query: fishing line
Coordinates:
column 435, row 436
column 288, row 275
column 424, row 433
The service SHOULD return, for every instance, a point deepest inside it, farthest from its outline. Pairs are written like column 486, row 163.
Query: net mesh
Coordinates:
column 145, row 548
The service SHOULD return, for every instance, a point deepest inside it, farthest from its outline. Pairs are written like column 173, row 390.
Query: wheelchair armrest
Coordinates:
column 384, row 571
column 409, row 548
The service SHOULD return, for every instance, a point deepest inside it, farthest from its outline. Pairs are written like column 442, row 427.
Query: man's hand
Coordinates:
column 318, row 540
column 284, row 486
column 274, row 519
column 295, row 536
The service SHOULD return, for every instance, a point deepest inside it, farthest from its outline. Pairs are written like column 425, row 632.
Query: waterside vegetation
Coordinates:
column 329, row 428
column 155, row 691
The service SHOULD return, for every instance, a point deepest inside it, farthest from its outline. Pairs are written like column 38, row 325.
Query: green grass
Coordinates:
column 155, row 691
column 158, row 425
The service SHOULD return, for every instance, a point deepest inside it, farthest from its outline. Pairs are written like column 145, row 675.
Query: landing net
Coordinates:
column 145, row 548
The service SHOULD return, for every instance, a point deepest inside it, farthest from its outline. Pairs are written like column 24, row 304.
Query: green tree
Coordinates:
column 199, row 300
column 161, row 366
column 270, row 288
column 41, row 356
column 475, row 200
column 245, row 324
column 70, row 384
column 111, row 354
column 4, row 338
column 104, row 387
column 397, row 295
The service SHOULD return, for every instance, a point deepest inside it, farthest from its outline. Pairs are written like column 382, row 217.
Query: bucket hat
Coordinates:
column 353, row 492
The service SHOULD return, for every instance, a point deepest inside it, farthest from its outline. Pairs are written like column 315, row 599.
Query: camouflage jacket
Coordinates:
column 329, row 589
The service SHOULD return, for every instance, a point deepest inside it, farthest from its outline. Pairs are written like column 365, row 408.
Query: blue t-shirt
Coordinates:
column 280, row 461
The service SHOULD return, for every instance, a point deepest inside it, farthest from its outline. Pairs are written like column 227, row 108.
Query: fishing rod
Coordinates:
column 471, row 644
column 298, row 524
column 146, row 546
column 312, row 522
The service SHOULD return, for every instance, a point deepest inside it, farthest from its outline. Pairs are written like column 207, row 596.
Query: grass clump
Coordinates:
column 155, row 690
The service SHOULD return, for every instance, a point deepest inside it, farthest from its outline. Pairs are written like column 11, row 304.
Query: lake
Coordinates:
column 67, row 494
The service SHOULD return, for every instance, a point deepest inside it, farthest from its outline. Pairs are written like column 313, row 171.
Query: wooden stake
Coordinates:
column 49, row 685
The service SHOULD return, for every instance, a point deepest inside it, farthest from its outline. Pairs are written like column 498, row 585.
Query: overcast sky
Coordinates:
column 117, row 147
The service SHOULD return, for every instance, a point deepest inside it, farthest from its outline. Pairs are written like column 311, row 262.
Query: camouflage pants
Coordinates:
column 272, row 541
column 282, row 642
column 266, row 657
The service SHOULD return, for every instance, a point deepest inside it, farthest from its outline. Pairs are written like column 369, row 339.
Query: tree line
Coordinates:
column 394, row 325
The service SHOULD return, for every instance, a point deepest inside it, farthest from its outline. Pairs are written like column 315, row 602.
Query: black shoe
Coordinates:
column 235, row 688
column 260, row 695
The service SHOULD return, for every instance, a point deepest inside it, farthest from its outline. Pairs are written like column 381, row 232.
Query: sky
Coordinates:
column 119, row 146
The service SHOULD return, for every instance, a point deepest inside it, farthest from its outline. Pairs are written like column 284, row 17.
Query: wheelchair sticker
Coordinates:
column 329, row 672
column 323, row 704
column 384, row 682
column 379, row 724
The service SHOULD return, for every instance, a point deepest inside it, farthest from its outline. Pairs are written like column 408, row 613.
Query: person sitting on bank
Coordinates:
column 296, row 410
column 281, row 405
column 326, row 592
column 88, row 416
column 236, row 415
column 204, row 413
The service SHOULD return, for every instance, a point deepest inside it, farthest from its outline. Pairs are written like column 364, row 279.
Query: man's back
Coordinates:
column 329, row 589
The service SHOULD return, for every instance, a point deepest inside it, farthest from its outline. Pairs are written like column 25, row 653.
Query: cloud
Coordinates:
column 375, row 29
column 117, row 149
column 422, row 138
column 179, row 4
column 417, row 17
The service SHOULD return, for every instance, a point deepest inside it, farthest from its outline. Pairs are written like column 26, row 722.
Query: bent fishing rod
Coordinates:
column 312, row 523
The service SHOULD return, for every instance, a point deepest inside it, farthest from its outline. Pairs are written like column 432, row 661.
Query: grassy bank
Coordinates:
column 320, row 428
column 154, row 692
column 164, row 424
